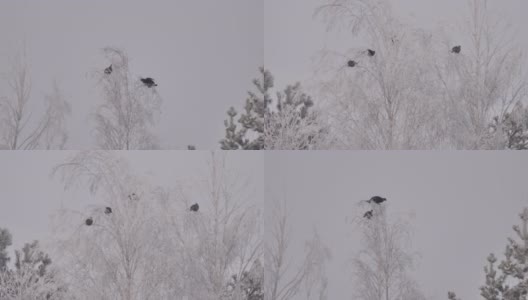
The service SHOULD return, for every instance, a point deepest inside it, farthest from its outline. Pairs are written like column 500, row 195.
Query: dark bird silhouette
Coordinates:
column 377, row 200
column 149, row 82
column 371, row 52
column 368, row 214
column 108, row 210
column 89, row 221
column 456, row 49
column 195, row 207
column 108, row 70
column 352, row 63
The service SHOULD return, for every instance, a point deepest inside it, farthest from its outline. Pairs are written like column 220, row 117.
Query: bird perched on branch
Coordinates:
column 89, row 222
column 195, row 207
column 376, row 199
column 108, row 210
column 108, row 70
column 352, row 63
column 456, row 49
column 149, row 82
column 368, row 214
column 133, row 196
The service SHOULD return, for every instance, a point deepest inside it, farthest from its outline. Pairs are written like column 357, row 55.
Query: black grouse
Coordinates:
column 195, row 207
column 108, row 70
column 456, row 49
column 377, row 200
column 368, row 214
column 149, row 82
column 89, row 221
column 371, row 52
column 108, row 210
column 352, row 63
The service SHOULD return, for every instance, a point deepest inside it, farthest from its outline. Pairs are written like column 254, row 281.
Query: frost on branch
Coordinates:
column 284, row 280
column 129, row 109
column 508, row 279
column 150, row 243
column 290, row 125
column 421, row 90
column 382, row 268
column 20, row 129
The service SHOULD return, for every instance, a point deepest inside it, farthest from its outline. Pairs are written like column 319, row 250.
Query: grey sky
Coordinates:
column 292, row 37
column 464, row 205
column 28, row 195
column 203, row 54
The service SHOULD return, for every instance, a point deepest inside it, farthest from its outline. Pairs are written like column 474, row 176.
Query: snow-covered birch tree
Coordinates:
column 224, row 240
column 125, row 248
column 484, row 80
column 129, row 108
column 381, row 269
column 282, row 281
column 380, row 92
column 402, row 87
column 20, row 129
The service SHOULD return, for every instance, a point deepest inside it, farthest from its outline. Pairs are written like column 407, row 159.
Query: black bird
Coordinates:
column 108, row 70
column 191, row 147
column 368, row 214
column 377, row 200
column 195, row 207
column 149, row 82
column 352, row 63
column 108, row 210
column 89, row 221
column 371, row 52
column 456, row 49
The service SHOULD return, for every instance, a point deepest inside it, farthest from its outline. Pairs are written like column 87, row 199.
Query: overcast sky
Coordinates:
column 203, row 54
column 28, row 195
column 292, row 37
column 464, row 206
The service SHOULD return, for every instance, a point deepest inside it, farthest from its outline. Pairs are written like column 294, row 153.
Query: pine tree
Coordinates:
column 508, row 279
column 289, row 125
column 5, row 241
column 252, row 120
column 250, row 285
column 512, row 128
column 31, row 278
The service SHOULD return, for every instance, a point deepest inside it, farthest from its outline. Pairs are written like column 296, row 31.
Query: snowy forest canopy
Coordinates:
column 198, row 239
column 461, row 86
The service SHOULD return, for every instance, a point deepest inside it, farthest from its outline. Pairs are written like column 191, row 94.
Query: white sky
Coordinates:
column 203, row 54
column 465, row 204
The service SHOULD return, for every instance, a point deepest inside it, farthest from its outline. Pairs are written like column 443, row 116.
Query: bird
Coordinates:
column 89, row 221
column 195, row 207
column 368, row 214
column 352, row 63
column 456, row 49
column 377, row 200
column 132, row 196
column 108, row 70
column 371, row 52
column 149, row 82
column 108, row 210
